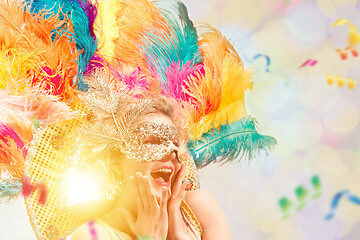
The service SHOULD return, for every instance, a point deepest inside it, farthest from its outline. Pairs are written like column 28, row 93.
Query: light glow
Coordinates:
column 85, row 185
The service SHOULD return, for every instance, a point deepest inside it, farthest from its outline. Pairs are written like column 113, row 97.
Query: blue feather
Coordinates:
column 178, row 47
column 10, row 189
column 229, row 142
column 78, row 11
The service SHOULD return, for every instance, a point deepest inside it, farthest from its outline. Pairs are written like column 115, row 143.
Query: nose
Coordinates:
column 172, row 156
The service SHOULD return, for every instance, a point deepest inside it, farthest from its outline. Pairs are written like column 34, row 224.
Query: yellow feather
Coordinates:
column 223, row 67
column 14, row 69
column 27, row 48
column 106, row 26
column 137, row 18
column 235, row 81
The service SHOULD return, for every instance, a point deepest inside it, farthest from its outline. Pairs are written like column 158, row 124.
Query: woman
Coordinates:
column 118, row 70
column 152, row 198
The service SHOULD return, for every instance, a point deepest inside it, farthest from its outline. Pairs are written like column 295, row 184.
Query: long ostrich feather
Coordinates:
column 32, row 45
column 229, row 142
column 135, row 20
column 10, row 189
column 107, row 26
column 37, row 104
column 177, row 46
column 82, row 14
column 218, row 97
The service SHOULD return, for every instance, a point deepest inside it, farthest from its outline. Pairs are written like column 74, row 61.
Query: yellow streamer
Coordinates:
column 341, row 81
column 354, row 35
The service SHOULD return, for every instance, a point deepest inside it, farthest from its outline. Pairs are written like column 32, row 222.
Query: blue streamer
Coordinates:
column 268, row 61
column 335, row 202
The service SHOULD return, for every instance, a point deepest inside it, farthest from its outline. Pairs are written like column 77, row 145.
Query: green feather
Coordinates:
column 10, row 189
column 178, row 47
column 84, row 37
column 229, row 142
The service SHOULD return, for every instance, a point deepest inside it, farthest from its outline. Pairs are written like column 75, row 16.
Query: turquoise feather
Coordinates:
column 180, row 47
column 84, row 38
column 229, row 142
column 10, row 189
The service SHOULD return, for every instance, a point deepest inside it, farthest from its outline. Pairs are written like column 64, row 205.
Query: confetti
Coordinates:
column 309, row 62
column 92, row 230
column 36, row 123
column 344, row 54
column 341, row 81
column 351, row 83
column 341, row 21
column 315, row 181
column 268, row 61
column 301, row 194
column 354, row 35
column 285, row 205
column 28, row 189
column 336, row 199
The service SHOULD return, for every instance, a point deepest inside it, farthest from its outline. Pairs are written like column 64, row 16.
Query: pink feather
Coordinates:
column 176, row 77
column 6, row 132
column 37, row 104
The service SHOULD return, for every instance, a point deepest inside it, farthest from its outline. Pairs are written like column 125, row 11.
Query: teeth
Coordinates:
column 163, row 170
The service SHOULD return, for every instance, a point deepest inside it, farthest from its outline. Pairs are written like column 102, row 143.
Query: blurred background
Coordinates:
column 291, row 46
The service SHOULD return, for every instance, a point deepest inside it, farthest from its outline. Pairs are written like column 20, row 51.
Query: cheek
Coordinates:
column 131, row 167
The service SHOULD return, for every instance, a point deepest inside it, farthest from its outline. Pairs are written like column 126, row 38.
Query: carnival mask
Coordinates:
column 151, row 142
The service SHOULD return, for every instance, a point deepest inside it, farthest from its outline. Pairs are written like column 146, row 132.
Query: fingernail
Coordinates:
column 138, row 174
column 131, row 178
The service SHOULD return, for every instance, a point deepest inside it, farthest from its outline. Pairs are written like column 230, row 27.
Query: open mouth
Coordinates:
column 162, row 176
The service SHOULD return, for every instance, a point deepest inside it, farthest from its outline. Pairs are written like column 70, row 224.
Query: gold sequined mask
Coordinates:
column 151, row 142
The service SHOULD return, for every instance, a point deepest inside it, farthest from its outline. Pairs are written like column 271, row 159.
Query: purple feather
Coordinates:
column 91, row 12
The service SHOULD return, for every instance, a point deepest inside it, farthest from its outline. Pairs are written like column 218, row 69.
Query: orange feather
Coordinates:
column 29, row 36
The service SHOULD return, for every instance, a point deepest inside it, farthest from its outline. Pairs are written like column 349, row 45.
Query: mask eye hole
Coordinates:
column 176, row 143
column 152, row 140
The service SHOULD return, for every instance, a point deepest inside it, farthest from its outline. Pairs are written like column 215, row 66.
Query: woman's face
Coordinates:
column 162, row 171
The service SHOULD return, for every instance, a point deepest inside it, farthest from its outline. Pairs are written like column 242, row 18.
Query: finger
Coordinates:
column 163, row 203
column 136, row 193
column 143, row 191
column 148, row 196
column 151, row 195
column 178, row 181
column 163, row 230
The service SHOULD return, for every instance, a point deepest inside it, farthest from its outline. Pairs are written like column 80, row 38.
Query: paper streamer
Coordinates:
column 268, row 61
column 354, row 35
column 341, row 81
column 344, row 53
column 92, row 230
column 28, row 189
column 302, row 195
column 336, row 199
column 309, row 62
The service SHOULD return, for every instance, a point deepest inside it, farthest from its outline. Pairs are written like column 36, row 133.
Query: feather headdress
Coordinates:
column 108, row 60
column 37, row 46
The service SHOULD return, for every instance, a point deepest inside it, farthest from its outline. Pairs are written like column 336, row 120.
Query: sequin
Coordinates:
column 52, row 232
column 151, row 142
column 57, row 142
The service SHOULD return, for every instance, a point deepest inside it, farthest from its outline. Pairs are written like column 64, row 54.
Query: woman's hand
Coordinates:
column 152, row 218
column 176, row 225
